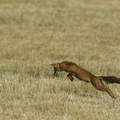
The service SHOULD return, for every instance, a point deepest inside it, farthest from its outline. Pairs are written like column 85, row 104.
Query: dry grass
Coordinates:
column 37, row 33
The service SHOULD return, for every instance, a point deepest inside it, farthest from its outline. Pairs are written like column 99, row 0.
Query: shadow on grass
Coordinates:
column 89, row 96
column 76, row 92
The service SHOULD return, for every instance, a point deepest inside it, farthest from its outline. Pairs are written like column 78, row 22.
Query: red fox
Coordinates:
column 84, row 75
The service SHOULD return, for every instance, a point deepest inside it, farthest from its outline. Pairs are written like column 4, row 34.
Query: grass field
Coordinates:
column 35, row 33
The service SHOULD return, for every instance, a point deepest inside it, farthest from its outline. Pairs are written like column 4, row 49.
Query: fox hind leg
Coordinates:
column 102, row 88
column 99, row 86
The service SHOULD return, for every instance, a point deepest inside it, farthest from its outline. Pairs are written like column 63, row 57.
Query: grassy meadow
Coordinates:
column 35, row 33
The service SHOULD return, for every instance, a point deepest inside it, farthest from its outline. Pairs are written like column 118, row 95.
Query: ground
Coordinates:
column 34, row 34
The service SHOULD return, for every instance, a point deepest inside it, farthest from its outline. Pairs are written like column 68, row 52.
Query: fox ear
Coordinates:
column 53, row 64
column 57, row 65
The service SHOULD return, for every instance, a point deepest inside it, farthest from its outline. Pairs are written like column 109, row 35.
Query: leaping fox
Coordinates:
column 84, row 75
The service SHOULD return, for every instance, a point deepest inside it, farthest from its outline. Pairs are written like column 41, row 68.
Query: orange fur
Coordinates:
column 82, row 74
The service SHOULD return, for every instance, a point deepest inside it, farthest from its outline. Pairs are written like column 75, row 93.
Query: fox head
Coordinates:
column 56, row 68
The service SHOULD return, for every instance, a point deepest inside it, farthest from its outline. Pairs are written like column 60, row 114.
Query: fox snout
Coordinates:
column 56, row 73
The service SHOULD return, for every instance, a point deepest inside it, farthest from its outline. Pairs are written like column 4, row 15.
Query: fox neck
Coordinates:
column 62, row 67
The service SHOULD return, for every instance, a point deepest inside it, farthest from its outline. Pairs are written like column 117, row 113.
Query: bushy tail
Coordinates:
column 110, row 79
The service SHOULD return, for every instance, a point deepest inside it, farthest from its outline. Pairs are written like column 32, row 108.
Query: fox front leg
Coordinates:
column 70, row 76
